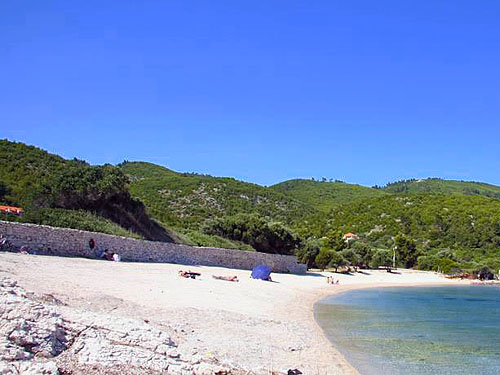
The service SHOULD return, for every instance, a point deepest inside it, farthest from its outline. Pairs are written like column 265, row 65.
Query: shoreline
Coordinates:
column 341, row 343
column 253, row 326
column 350, row 369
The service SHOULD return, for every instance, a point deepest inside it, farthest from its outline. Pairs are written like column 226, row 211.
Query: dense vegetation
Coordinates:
column 445, row 232
column 323, row 195
column 37, row 180
column 263, row 235
column 431, row 224
column 190, row 202
column 440, row 186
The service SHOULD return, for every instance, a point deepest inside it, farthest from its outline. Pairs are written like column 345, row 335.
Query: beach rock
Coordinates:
column 41, row 368
column 7, row 369
column 27, row 327
column 35, row 328
column 209, row 369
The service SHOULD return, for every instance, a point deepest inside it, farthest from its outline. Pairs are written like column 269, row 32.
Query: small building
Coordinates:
column 11, row 210
column 348, row 237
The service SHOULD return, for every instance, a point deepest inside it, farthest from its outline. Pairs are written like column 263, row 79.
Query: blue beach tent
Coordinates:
column 261, row 272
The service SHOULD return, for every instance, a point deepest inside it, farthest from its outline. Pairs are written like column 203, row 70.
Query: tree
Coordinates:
column 381, row 258
column 323, row 258
column 334, row 240
column 364, row 251
column 352, row 258
column 407, row 250
column 337, row 260
column 308, row 252
column 4, row 191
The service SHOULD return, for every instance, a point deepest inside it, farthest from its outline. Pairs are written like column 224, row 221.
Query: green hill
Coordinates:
column 138, row 170
column 40, row 182
column 324, row 196
column 193, row 204
column 187, row 200
column 439, row 186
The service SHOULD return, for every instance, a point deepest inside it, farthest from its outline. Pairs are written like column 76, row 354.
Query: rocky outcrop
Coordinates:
column 39, row 335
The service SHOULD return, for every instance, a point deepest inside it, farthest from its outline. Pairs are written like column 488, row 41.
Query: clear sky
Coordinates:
column 263, row 91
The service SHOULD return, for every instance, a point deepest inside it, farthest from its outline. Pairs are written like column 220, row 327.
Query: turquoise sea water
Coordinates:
column 421, row 330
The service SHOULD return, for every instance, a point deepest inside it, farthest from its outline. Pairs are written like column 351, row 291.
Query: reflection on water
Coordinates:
column 425, row 330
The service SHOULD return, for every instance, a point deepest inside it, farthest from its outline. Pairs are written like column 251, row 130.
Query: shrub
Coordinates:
column 263, row 235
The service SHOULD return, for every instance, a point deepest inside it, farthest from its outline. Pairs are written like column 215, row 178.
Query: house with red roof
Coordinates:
column 348, row 237
column 11, row 210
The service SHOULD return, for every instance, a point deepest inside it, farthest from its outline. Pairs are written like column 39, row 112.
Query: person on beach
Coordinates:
column 226, row 278
column 188, row 274
column 108, row 255
column 331, row 280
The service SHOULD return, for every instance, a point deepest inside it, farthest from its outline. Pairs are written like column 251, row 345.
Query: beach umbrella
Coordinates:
column 261, row 272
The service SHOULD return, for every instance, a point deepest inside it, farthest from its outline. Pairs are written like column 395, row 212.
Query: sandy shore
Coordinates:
column 254, row 325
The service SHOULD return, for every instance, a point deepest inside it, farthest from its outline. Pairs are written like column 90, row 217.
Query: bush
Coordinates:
column 426, row 262
column 264, row 236
column 447, row 266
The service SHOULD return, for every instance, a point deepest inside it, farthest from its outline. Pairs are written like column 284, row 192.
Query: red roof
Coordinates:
column 11, row 210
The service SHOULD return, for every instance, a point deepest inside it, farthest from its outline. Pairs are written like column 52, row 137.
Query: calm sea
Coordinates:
column 422, row 330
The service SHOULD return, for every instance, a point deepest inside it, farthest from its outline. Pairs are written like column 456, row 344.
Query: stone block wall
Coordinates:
column 45, row 240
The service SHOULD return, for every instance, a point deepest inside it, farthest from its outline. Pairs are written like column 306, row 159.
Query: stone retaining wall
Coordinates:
column 47, row 240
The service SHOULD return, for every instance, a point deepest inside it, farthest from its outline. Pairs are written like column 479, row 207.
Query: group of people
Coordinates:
column 331, row 280
column 108, row 255
column 193, row 275
column 6, row 245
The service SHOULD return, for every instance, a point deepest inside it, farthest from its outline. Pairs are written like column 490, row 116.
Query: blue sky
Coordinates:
column 264, row 91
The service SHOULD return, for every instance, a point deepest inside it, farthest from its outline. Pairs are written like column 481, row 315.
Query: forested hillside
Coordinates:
column 190, row 203
column 39, row 182
column 440, row 186
column 442, row 231
column 324, row 195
